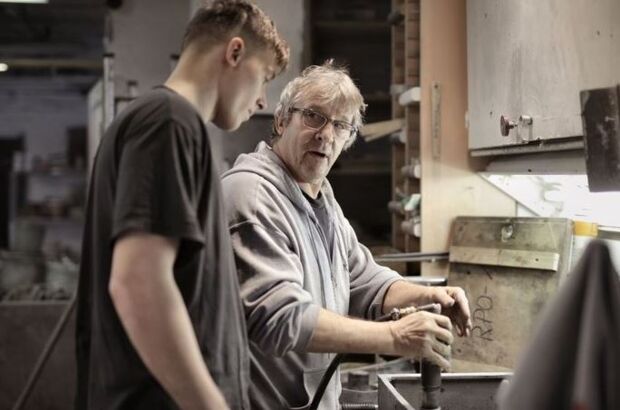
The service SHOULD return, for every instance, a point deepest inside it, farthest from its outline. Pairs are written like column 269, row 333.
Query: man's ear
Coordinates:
column 280, row 123
column 235, row 50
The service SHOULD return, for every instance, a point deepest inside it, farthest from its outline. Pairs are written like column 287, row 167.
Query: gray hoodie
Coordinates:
column 288, row 274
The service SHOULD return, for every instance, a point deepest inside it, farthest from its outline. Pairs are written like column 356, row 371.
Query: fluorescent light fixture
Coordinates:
column 25, row 1
column 3, row 67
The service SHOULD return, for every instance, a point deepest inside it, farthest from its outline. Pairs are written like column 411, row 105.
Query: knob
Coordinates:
column 412, row 227
column 505, row 125
column 396, row 206
column 412, row 170
column 507, row 232
column 526, row 120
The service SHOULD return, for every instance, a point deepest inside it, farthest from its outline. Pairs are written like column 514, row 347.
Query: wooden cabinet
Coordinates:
column 530, row 59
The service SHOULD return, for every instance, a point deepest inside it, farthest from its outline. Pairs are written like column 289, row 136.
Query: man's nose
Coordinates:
column 327, row 131
column 261, row 103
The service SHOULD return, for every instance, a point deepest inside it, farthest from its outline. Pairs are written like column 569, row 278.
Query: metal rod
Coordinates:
column 45, row 354
column 414, row 254
column 431, row 375
column 412, row 257
column 431, row 385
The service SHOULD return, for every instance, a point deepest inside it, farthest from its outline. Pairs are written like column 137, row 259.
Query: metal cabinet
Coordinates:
column 527, row 62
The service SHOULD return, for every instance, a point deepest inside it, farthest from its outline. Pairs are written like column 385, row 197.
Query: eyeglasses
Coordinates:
column 316, row 120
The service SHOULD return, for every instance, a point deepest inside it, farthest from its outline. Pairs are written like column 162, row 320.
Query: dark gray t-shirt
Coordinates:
column 322, row 215
column 154, row 173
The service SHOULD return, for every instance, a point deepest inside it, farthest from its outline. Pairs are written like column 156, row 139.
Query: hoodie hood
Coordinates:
column 266, row 163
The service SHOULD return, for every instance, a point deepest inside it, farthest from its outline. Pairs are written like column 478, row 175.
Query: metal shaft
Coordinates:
column 431, row 376
column 431, row 385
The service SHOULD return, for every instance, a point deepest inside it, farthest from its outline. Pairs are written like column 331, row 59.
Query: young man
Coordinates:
column 159, row 321
column 302, row 271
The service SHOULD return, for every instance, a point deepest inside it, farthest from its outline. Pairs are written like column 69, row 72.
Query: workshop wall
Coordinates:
column 142, row 35
column 42, row 111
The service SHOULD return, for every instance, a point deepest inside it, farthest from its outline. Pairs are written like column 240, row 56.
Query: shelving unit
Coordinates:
column 356, row 33
column 405, row 75
column 340, row 26
column 54, row 199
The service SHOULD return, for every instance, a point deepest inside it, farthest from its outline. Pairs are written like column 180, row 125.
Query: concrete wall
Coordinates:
column 290, row 19
column 41, row 110
column 142, row 35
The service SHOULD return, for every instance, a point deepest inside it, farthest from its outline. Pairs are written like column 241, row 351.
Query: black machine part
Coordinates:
column 601, row 126
column 431, row 373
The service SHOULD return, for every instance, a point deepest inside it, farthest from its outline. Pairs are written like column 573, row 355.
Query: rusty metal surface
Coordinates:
column 601, row 124
column 460, row 391
column 505, row 300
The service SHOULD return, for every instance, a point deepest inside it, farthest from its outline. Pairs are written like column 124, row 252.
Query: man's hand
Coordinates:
column 453, row 301
column 454, row 304
column 423, row 335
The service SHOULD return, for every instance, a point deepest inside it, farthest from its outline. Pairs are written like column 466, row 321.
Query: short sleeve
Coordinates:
column 161, row 171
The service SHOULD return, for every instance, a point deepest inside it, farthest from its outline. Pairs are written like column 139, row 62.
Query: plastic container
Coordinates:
column 583, row 233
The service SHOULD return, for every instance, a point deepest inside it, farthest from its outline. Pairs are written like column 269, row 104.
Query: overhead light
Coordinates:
column 3, row 67
column 25, row 1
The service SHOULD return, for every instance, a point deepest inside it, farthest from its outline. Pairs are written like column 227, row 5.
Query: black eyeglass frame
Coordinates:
column 353, row 129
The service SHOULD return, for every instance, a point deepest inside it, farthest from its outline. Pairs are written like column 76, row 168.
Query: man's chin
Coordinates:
column 228, row 126
column 315, row 179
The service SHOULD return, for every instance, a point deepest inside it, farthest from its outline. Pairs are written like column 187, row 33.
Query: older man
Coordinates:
column 303, row 274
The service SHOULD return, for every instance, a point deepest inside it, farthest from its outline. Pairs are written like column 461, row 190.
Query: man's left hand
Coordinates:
column 454, row 304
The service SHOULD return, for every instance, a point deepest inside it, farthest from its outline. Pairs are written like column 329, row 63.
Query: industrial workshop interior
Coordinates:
column 488, row 161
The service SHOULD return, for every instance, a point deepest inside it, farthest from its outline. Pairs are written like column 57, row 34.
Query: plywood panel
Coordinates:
column 450, row 187
column 529, row 57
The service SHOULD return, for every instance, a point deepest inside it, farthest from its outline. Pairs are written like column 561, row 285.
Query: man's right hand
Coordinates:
column 423, row 335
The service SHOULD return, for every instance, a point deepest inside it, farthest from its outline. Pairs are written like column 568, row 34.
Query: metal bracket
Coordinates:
column 436, row 119
column 527, row 259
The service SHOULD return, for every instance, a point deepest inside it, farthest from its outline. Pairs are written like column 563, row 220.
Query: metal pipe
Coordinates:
column 431, row 377
column 45, row 354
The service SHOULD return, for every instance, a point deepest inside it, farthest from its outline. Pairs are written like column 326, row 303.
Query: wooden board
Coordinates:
column 450, row 186
column 506, row 301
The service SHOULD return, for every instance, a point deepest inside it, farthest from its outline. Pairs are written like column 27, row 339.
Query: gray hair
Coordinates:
column 326, row 85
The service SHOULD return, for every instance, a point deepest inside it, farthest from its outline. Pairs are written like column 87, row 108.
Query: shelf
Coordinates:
column 377, row 97
column 353, row 26
column 60, row 174
column 360, row 171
